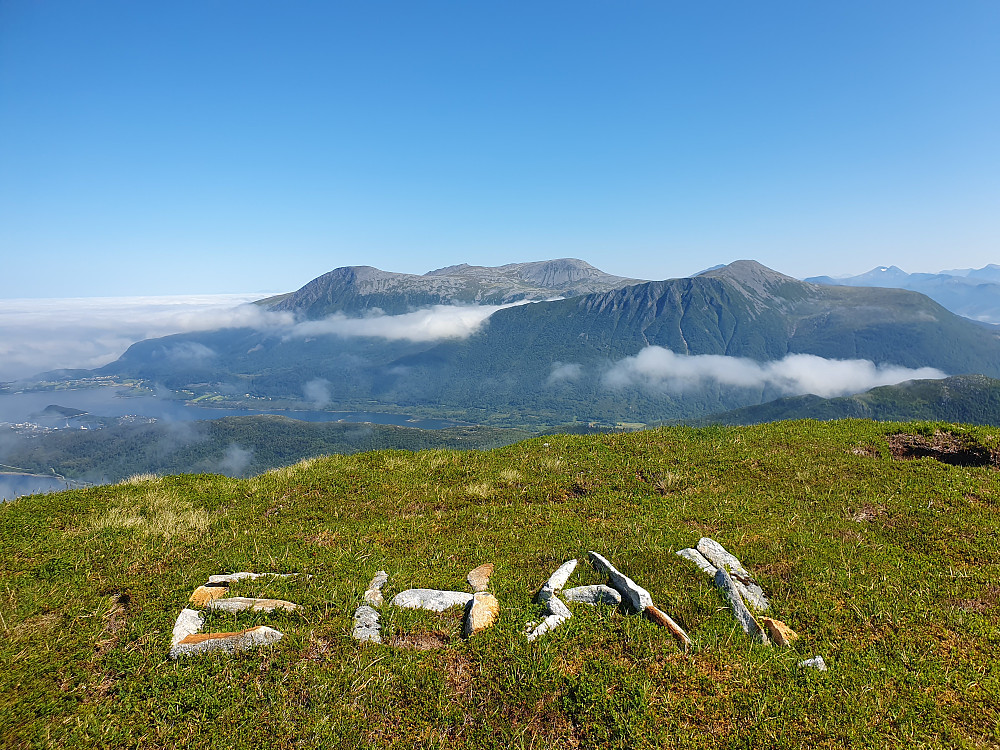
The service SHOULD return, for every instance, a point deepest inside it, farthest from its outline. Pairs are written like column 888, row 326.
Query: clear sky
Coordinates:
column 231, row 146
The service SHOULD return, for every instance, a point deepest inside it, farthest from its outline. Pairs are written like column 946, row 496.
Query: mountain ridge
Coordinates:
column 362, row 289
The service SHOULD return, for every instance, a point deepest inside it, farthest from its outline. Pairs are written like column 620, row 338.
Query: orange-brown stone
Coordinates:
column 204, row 594
column 780, row 634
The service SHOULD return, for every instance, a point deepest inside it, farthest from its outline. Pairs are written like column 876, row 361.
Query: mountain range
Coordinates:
column 970, row 292
column 618, row 353
column 363, row 289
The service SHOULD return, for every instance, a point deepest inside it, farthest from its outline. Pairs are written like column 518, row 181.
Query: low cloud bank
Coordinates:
column 86, row 333
column 797, row 374
column 49, row 334
column 431, row 324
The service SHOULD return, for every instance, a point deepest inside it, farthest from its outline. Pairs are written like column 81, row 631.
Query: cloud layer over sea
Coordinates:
column 37, row 335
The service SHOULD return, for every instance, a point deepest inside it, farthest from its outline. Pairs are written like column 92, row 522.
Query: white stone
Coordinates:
column 698, row 559
column 432, row 599
column 373, row 595
column 366, row 625
column 558, row 579
column 600, row 594
column 242, row 603
column 228, row 642
column 742, row 614
column 748, row 588
column 232, row 577
column 189, row 622
column 815, row 662
column 549, row 623
column 636, row 596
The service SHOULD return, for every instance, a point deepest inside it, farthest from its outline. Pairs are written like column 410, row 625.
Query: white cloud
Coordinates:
column 562, row 372
column 662, row 369
column 86, row 333
column 430, row 324
column 317, row 392
column 48, row 334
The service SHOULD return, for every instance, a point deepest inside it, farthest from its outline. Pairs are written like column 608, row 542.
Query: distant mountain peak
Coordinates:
column 753, row 277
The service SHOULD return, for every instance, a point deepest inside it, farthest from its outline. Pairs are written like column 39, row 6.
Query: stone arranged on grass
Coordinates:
column 815, row 662
column 750, row 597
column 599, row 594
column 204, row 594
column 634, row 595
column 661, row 618
column 242, row 603
column 479, row 578
column 698, row 559
column 558, row 612
column 188, row 622
column 481, row 613
column 366, row 625
column 717, row 555
column 556, row 581
column 743, row 615
column 188, row 640
column 373, row 595
column 780, row 634
column 227, row 578
column 201, row 643
column 432, row 599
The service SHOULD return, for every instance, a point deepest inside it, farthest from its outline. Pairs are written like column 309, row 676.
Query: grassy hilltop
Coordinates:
column 888, row 568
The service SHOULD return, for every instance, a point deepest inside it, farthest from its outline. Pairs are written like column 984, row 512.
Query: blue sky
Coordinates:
column 196, row 147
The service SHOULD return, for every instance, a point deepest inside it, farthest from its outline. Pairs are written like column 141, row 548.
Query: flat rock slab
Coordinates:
column 432, row 599
column 201, row 643
column 204, row 594
column 233, row 577
column 366, row 625
column 535, row 629
column 241, row 604
column 664, row 620
column 482, row 612
column 555, row 583
column 600, row 594
column 740, row 611
column 479, row 578
column 189, row 622
column 749, row 589
column 634, row 595
column 698, row 559
column 373, row 595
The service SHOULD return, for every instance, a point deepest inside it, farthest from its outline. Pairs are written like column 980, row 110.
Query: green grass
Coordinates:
column 888, row 569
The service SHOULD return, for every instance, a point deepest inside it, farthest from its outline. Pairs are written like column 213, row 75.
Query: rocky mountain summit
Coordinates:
column 360, row 289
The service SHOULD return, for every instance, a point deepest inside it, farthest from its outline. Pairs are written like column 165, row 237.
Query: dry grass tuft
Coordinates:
column 154, row 512
column 482, row 490
column 510, row 475
column 140, row 479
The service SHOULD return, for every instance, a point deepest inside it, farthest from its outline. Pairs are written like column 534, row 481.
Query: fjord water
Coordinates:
column 110, row 402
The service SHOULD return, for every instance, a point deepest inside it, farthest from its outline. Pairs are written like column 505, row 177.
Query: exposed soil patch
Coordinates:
column 989, row 599
column 867, row 512
column 114, row 621
column 458, row 674
column 946, row 447
column 317, row 649
column 421, row 641
column 865, row 450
